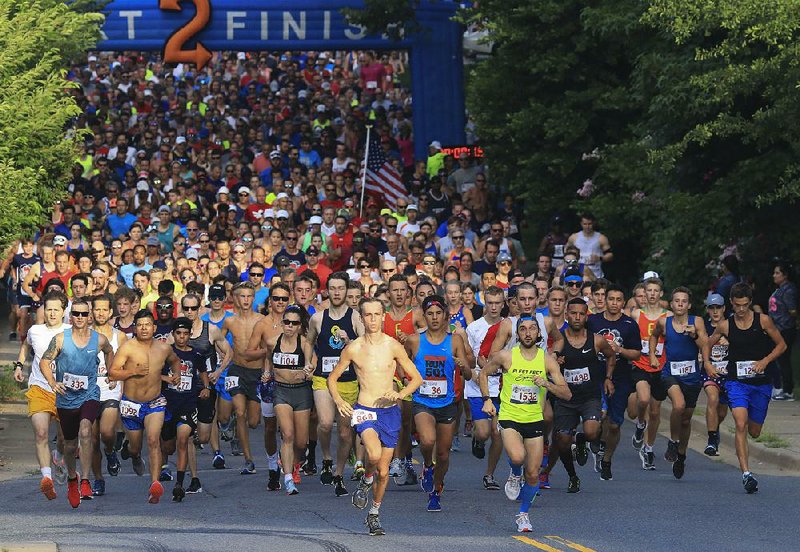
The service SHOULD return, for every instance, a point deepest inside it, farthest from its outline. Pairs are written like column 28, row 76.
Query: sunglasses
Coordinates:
column 280, row 298
column 290, row 238
column 291, row 322
column 501, row 263
column 256, row 274
column 363, row 266
column 574, row 284
column 205, row 241
column 163, row 307
column 387, row 270
column 194, row 308
column 458, row 237
column 239, row 251
column 80, row 314
column 428, row 262
column 217, row 298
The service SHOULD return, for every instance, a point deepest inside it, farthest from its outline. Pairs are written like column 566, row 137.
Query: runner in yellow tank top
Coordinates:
column 525, row 370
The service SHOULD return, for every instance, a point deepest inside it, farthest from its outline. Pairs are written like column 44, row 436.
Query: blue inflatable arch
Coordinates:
column 249, row 25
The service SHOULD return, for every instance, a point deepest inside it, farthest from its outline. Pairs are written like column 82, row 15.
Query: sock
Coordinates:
column 545, row 456
column 641, row 425
column 272, row 461
column 287, row 477
column 648, row 448
column 375, row 508
column 181, row 476
column 311, row 454
column 746, row 474
column 47, row 472
column 516, row 470
column 164, row 466
column 368, row 478
column 526, row 495
column 566, row 459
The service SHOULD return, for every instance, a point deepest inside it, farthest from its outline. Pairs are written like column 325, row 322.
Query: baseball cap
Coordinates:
column 504, row 256
column 274, row 154
column 650, row 274
column 435, row 144
column 182, row 323
column 152, row 240
column 180, row 140
column 269, row 213
column 191, row 253
column 316, row 219
column 282, row 195
column 60, row 240
column 245, row 190
column 164, row 209
column 217, row 291
column 160, row 264
column 142, row 186
column 321, row 108
column 283, row 214
column 312, row 250
column 715, row 300
column 223, row 190
column 282, row 260
column 412, row 207
column 573, row 276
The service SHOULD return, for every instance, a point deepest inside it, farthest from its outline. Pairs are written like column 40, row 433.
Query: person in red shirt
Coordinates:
column 373, row 74
column 313, row 264
column 340, row 245
column 255, row 212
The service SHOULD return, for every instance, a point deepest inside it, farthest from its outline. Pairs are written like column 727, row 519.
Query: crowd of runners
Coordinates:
column 212, row 272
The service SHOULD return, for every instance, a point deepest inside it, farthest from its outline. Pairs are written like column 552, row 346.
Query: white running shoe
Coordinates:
column 513, row 486
column 396, row 468
column 523, row 523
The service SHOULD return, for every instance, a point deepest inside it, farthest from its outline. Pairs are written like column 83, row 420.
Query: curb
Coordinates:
column 779, row 459
column 44, row 546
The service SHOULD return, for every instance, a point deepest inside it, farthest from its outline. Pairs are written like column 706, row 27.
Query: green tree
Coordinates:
column 38, row 38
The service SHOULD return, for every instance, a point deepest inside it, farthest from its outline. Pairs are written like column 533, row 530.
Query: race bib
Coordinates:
column 372, row 85
column 558, row 251
column 646, row 347
column 433, row 388
column 577, row 376
column 360, row 416
column 524, row 394
column 285, row 359
column 744, row 369
column 129, row 409
column 328, row 364
column 231, row 382
column 75, row 383
column 721, row 366
column 185, row 384
column 682, row 368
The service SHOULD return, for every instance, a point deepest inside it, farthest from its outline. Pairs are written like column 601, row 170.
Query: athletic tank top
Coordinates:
column 458, row 317
column 182, row 396
column 107, row 394
column 521, row 400
column 127, row 330
column 588, row 246
column 76, row 368
column 646, row 327
column 681, row 358
column 202, row 344
column 405, row 324
column 719, row 352
column 581, row 369
column 165, row 238
column 286, row 360
column 745, row 347
column 329, row 345
column 437, row 368
column 541, row 342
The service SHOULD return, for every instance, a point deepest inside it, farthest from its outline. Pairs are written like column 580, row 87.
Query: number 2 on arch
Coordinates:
column 173, row 48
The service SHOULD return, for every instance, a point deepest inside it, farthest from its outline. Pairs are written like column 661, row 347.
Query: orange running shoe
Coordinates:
column 47, row 488
column 156, row 490
column 296, row 474
column 86, row 490
column 73, row 493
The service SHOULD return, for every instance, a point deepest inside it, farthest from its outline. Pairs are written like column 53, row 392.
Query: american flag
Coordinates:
column 382, row 179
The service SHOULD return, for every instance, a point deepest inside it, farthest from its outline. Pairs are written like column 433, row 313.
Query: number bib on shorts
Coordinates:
column 184, row 385
column 128, row 409
column 328, row 364
column 744, row 369
column 524, row 394
column 433, row 388
column 360, row 416
column 76, row 383
column 577, row 376
column 682, row 368
column 231, row 382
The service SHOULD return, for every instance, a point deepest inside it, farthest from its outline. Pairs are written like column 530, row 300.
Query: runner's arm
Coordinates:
column 26, row 283
column 254, row 349
column 502, row 337
column 222, row 346
column 47, row 363
column 345, row 409
column 463, row 359
column 313, row 330
column 414, row 379
column 558, row 337
column 498, row 361
column 556, row 384
column 108, row 350
column 653, row 341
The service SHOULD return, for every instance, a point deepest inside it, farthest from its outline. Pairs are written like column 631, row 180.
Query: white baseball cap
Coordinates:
column 180, row 140
column 436, row 144
column 316, row 219
column 283, row 214
column 223, row 190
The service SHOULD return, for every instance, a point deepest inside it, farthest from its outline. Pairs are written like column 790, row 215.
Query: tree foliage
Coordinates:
column 37, row 40
column 672, row 120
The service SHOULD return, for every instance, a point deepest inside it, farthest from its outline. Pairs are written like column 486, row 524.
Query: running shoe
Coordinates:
column 434, row 502
column 12, row 336
column 137, row 462
column 59, row 467
column 73, row 493
column 236, row 447
column 513, row 486
column 638, row 436
column 99, row 487
column 326, row 476
column 361, row 494
column 544, row 480
column 113, row 464
column 679, row 466
column 478, row 449
column 124, row 452
column 248, row 469
column 359, row 471
column 426, row 481
column 178, row 493
column 219, row 460
column 712, row 449
column 574, row 485
column 523, row 523
column 490, row 483
column 86, row 489
column 296, row 474
column 47, row 488
column 598, row 453
column 291, row 487
column 373, row 523
column 455, row 446
column 155, row 493
column 671, row 454
column 410, row 477
column 226, row 430
column 605, row 471
column 396, row 468
column 648, row 459
column 581, row 452
column 468, row 428
column 309, row 468
column 750, row 482
column 339, row 488
column 165, row 475
column 195, row 487
column 274, row 483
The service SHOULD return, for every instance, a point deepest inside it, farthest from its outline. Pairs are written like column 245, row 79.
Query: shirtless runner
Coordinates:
column 138, row 363
column 376, row 416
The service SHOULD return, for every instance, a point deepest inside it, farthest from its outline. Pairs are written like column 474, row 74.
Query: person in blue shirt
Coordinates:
column 120, row 221
column 127, row 271
column 308, row 157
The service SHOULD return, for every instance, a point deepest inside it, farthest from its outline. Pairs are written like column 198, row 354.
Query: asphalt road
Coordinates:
column 638, row 510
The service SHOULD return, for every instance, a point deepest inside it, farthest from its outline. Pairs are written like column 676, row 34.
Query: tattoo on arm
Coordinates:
column 52, row 349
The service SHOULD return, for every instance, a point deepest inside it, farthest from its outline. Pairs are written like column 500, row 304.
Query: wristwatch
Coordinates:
column 486, row 398
column 17, row 364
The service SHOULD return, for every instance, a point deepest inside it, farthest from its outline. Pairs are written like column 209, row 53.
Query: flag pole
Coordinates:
column 364, row 175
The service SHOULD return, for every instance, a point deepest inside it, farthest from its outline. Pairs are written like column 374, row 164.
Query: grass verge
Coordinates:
column 10, row 390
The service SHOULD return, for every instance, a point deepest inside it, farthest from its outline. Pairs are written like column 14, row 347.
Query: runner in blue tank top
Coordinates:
column 436, row 353
column 74, row 380
column 680, row 375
